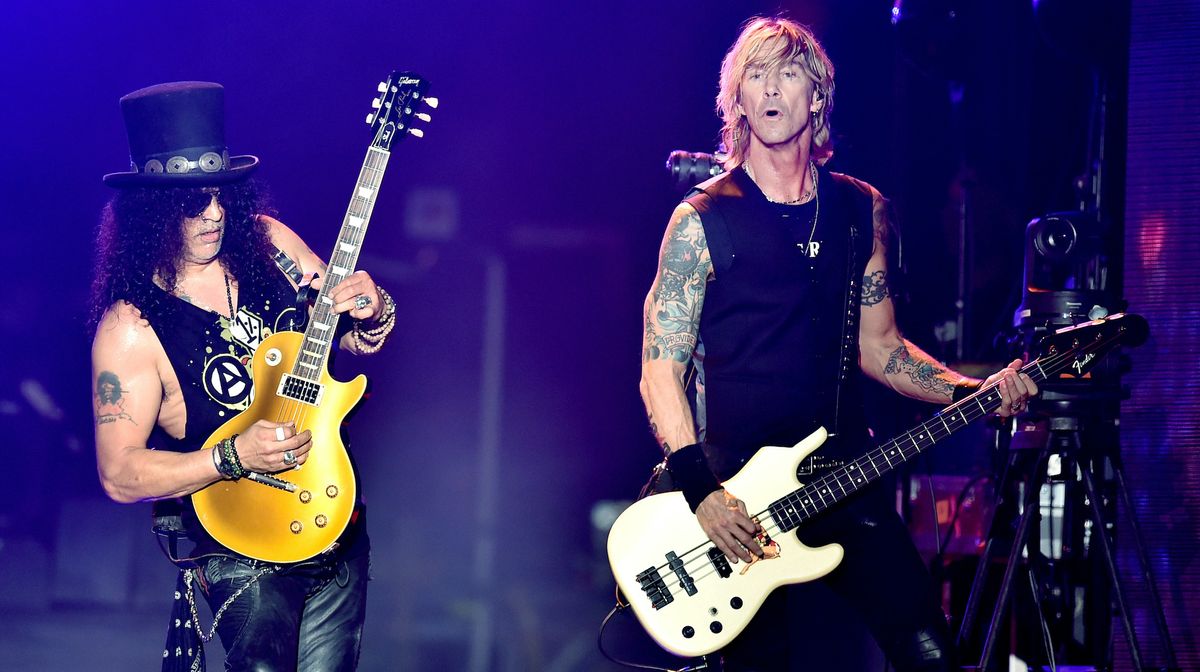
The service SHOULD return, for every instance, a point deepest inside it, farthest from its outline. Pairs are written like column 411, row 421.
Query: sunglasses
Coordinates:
column 195, row 202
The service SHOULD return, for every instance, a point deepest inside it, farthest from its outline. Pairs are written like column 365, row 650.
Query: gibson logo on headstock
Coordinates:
column 408, row 80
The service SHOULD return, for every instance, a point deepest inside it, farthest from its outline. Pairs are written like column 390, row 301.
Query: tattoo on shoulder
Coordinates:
column 673, row 309
column 110, row 399
column 927, row 375
column 874, row 288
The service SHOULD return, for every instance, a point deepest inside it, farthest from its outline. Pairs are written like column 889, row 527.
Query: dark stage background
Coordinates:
column 542, row 177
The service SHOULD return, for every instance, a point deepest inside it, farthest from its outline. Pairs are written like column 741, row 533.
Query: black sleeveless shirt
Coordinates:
column 778, row 335
column 211, row 356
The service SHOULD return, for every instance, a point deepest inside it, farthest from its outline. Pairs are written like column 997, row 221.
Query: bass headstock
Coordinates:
column 1076, row 349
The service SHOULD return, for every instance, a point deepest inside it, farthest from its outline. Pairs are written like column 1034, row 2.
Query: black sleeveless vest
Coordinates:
column 777, row 355
column 211, row 357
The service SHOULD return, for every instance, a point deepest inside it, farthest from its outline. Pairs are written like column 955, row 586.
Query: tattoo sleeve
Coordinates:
column 672, row 311
column 110, row 399
column 874, row 288
column 926, row 374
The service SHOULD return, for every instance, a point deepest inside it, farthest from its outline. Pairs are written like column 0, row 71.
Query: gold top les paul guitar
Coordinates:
column 296, row 514
column 693, row 601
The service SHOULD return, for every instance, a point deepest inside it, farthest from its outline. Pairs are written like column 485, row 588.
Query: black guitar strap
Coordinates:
column 290, row 268
column 853, row 285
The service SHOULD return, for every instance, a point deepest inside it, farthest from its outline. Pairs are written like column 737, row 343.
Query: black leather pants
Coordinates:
column 881, row 578
column 306, row 617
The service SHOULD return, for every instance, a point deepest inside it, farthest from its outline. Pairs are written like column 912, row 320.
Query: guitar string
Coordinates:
column 689, row 556
column 294, row 411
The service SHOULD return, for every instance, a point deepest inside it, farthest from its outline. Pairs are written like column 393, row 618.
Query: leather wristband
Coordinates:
column 690, row 473
column 965, row 388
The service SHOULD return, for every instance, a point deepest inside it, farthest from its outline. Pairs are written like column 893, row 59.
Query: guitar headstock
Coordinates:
column 1080, row 347
column 401, row 101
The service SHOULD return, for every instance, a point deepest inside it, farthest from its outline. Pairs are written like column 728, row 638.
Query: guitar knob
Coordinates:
column 688, row 632
column 305, row 496
column 417, row 132
column 296, row 527
column 321, row 520
column 331, row 491
column 716, row 627
column 431, row 101
column 423, row 116
column 370, row 118
column 376, row 102
column 382, row 87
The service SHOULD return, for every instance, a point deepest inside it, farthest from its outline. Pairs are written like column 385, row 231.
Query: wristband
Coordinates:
column 965, row 388
column 690, row 472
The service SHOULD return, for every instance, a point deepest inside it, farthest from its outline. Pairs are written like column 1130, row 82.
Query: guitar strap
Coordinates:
column 289, row 267
column 853, row 285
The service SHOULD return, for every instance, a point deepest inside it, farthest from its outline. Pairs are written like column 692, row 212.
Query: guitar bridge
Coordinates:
column 655, row 588
column 301, row 390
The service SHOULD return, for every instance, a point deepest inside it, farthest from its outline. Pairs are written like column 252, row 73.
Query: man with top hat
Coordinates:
column 190, row 277
column 773, row 283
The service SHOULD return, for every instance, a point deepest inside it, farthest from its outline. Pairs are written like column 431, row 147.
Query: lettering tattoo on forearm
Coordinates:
column 110, row 399
column 927, row 375
column 673, row 309
column 874, row 288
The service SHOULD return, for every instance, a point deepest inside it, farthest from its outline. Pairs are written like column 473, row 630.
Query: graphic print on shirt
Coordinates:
column 227, row 378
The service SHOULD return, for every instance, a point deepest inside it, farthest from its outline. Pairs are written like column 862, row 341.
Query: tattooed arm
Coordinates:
column 127, row 398
column 672, row 321
column 891, row 359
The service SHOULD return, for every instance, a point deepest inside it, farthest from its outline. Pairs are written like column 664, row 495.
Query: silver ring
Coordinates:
column 362, row 301
column 289, row 458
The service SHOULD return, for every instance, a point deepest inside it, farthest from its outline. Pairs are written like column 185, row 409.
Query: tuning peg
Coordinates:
column 431, row 101
column 375, row 103
column 382, row 87
column 417, row 132
column 371, row 118
column 423, row 116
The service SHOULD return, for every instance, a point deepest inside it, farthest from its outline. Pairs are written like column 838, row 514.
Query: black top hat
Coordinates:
column 177, row 138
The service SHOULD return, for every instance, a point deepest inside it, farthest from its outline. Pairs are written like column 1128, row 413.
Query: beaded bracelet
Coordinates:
column 369, row 341
column 230, row 465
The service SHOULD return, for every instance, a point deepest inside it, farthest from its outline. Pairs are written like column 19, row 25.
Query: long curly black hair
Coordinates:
column 141, row 238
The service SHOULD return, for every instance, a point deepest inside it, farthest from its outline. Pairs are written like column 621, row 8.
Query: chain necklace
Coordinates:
column 814, row 193
column 808, row 193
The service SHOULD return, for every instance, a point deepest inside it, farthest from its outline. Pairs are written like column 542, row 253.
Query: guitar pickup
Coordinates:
column 720, row 562
column 301, row 390
column 685, row 580
column 655, row 588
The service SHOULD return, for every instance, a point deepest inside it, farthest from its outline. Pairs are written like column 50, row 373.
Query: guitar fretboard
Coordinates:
column 322, row 326
column 806, row 502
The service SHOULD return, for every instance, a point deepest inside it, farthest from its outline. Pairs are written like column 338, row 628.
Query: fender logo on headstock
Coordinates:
column 1079, row 364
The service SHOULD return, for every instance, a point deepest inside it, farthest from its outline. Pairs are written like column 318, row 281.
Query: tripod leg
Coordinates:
column 1160, row 616
column 985, row 559
column 1033, row 488
column 1110, row 561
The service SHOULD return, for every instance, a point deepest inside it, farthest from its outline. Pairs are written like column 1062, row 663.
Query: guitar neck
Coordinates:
column 815, row 497
column 322, row 326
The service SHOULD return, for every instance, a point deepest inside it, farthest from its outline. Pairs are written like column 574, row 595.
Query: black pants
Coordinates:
column 881, row 577
column 306, row 617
